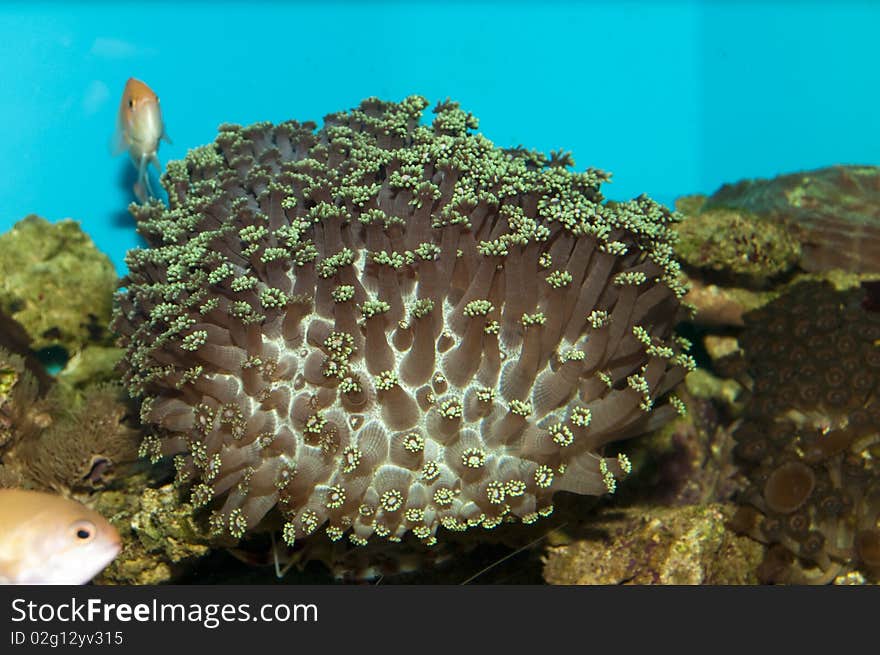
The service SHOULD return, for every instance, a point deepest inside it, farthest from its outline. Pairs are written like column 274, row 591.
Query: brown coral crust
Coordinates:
column 809, row 439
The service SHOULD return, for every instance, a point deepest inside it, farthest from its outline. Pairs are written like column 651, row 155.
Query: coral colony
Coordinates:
column 808, row 441
column 382, row 327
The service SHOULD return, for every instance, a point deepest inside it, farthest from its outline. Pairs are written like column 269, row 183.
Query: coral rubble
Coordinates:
column 382, row 327
column 161, row 539
column 656, row 545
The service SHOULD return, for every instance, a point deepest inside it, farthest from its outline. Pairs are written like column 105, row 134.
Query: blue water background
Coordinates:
column 672, row 97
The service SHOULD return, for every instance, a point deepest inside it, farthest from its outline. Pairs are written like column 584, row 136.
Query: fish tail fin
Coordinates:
column 143, row 190
column 140, row 192
column 150, row 193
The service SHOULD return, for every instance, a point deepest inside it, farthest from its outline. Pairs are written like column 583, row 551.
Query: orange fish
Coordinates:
column 49, row 539
column 139, row 128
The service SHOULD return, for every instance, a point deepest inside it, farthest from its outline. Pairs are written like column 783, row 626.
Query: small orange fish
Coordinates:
column 139, row 128
column 49, row 539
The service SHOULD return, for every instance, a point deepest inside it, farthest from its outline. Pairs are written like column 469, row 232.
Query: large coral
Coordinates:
column 384, row 326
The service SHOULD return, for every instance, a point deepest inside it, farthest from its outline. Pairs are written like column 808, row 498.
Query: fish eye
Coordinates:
column 83, row 531
column 130, row 103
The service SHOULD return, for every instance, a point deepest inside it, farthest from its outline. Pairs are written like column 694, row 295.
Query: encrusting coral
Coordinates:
column 382, row 327
column 808, row 442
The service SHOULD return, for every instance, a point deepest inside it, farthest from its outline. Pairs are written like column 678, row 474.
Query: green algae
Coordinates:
column 702, row 384
column 8, row 377
column 657, row 545
column 736, row 243
column 56, row 283
column 92, row 364
column 160, row 536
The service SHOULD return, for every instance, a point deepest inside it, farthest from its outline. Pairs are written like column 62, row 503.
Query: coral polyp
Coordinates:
column 383, row 327
column 809, row 440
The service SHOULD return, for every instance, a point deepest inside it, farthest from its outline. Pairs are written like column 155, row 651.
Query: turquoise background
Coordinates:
column 672, row 97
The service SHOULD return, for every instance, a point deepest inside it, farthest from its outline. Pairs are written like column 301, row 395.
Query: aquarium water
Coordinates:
column 671, row 97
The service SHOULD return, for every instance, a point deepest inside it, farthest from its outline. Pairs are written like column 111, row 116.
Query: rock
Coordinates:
column 719, row 306
column 56, row 283
column 737, row 245
column 833, row 212
column 657, row 545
